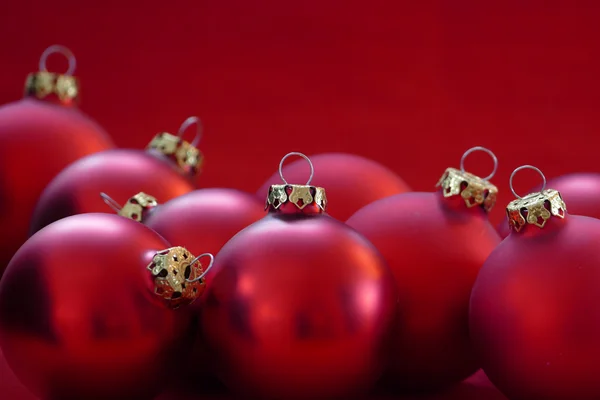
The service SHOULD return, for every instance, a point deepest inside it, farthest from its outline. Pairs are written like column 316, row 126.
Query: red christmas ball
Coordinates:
column 351, row 181
column 40, row 135
column 435, row 244
column 299, row 306
column 78, row 316
column 580, row 191
column 10, row 387
column 535, row 307
column 120, row 173
column 204, row 220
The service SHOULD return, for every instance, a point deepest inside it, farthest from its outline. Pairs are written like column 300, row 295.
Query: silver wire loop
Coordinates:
column 510, row 182
column 199, row 129
column 485, row 150
column 294, row 153
column 111, row 202
column 58, row 49
column 212, row 261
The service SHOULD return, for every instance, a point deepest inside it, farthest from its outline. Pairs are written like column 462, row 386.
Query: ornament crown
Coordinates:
column 136, row 208
column 43, row 83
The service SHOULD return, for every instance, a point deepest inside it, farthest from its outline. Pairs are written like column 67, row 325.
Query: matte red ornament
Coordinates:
column 300, row 305
column 580, row 191
column 435, row 244
column 40, row 135
column 10, row 387
column 119, row 174
column 351, row 181
column 78, row 316
column 535, row 307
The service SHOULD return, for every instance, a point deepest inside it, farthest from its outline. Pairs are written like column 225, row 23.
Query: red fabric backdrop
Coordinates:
column 411, row 84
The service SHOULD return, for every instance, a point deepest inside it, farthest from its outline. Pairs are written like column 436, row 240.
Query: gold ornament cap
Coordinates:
column 178, row 276
column 535, row 208
column 291, row 198
column 474, row 190
column 136, row 208
column 44, row 84
column 185, row 154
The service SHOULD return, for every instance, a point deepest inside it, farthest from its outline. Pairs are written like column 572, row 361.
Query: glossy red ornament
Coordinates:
column 435, row 244
column 299, row 306
column 204, row 220
column 352, row 181
column 78, row 316
column 118, row 173
column 40, row 134
column 580, row 191
column 535, row 307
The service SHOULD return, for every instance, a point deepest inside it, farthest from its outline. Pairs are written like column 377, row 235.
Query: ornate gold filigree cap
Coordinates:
column 535, row 208
column 305, row 198
column 43, row 83
column 185, row 154
column 474, row 190
column 178, row 276
column 136, row 208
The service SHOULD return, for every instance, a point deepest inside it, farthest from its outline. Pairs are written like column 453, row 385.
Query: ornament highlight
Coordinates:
column 535, row 307
column 434, row 244
column 48, row 130
column 299, row 305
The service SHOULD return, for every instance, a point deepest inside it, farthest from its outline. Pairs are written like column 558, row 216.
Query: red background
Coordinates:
column 411, row 84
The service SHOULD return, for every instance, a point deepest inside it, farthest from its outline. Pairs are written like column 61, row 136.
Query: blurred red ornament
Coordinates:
column 120, row 173
column 435, row 244
column 580, row 191
column 78, row 316
column 10, row 387
column 204, row 220
column 40, row 134
column 535, row 307
column 299, row 305
column 351, row 181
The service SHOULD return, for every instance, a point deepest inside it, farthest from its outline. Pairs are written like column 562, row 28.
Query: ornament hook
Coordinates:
column 199, row 129
column 485, row 150
column 510, row 182
column 60, row 50
column 212, row 261
column 111, row 202
column 294, row 153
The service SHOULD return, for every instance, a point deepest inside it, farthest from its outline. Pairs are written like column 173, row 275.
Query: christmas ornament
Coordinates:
column 580, row 191
column 117, row 172
column 535, row 307
column 10, row 387
column 299, row 304
column 435, row 244
column 351, row 181
column 205, row 219
column 78, row 316
column 47, row 130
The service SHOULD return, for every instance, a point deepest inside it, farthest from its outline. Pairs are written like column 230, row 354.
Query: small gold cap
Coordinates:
column 473, row 189
column 187, row 157
column 137, row 206
column 299, row 195
column 43, row 84
column 535, row 209
column 178, row 276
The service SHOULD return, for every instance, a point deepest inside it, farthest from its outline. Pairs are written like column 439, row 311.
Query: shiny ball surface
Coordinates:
column 351, row 181
column 78, row 318
column 535, row 312
column 435, row 247
column 299, row 308
column 120, row 173
column 39, row 139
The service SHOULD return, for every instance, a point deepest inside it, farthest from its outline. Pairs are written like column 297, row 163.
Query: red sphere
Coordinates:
column 78, row 318
column 535, row 312
column 434, row 247
column 351, row 181
column 10, row 387
column 119, row 173
column 299, row 308
column 39, row 139
column 204, row 220
column 580, row 191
